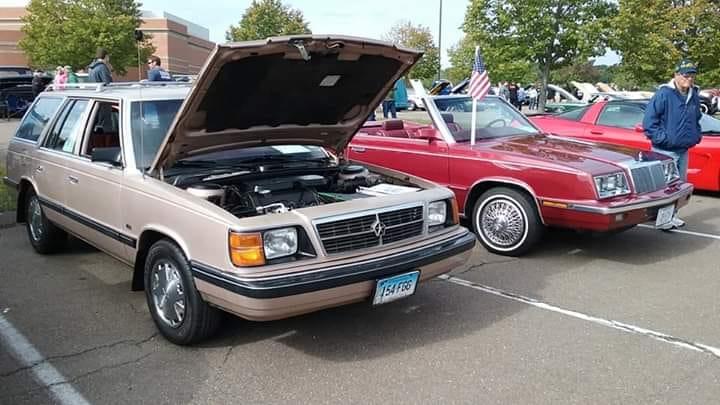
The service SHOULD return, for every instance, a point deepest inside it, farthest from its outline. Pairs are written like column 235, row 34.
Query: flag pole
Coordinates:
column 473, row 119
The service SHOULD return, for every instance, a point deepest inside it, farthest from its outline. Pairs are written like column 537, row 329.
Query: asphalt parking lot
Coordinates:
column 629, row 318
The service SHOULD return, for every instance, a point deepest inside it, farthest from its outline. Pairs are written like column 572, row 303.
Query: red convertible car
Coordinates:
column 620, row 122
column 515, row 180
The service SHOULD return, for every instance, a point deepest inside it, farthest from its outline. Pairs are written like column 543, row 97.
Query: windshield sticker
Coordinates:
column 290, row 149
column 329, row 80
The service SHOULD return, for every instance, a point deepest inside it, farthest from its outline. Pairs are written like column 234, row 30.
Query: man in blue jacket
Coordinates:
column 98, row 71
column 672, row 119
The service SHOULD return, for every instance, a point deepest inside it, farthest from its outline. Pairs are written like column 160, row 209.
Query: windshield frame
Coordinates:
column 435, row 115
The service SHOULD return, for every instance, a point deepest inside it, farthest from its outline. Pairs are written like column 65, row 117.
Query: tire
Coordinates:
column 169, row 282
column 411, row 106
column 704, row 108
column 494, row 208
column 45, row 237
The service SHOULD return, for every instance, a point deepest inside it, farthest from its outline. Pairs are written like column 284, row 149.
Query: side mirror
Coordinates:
column 431, row 134
column 111, row 155
column 639, row 128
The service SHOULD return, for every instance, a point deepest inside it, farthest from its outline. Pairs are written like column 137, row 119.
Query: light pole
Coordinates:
column 440, row 43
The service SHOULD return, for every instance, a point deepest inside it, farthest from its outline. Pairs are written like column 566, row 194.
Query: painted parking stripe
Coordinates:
column 61, row 390
column 662, row 337
column 700, row 234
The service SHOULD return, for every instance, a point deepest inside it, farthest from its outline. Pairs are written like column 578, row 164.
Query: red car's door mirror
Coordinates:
column 431, row 134
column 639, row 128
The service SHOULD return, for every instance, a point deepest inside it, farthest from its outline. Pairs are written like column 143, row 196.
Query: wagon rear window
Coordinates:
column 38, row 118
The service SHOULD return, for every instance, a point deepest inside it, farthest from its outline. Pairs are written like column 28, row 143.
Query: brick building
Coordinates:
column 182, row 45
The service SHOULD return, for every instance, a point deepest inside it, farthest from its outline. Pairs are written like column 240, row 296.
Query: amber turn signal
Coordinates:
column 455, row 212
column 246, row 249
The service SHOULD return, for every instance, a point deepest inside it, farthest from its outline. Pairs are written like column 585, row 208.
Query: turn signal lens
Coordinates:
column 455, row 211
column 246, row 249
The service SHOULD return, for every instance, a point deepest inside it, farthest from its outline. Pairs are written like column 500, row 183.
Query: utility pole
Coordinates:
column 440, row 43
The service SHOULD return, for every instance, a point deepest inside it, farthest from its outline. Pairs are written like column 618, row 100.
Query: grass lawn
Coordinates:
column 7, row 198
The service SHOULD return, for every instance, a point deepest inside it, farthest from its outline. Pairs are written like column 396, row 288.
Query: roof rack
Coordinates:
column 99, row 87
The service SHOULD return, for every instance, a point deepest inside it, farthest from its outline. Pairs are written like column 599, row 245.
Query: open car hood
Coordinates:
column 303, row 89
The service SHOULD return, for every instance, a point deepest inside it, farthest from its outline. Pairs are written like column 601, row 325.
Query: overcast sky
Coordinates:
column 367, row 18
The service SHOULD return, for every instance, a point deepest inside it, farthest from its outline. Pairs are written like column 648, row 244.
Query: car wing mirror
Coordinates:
column 639, row 128
column 112, row 155
column 430, row 134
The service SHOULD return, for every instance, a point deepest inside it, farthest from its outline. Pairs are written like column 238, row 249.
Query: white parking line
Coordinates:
column 662, row 337
column 44, row 372
column 700, row 234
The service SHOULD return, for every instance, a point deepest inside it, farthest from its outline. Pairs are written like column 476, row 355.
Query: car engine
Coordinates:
column 264, row 193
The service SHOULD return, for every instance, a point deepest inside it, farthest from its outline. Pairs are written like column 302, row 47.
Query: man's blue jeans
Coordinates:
column 681, row 159
column 389, row 108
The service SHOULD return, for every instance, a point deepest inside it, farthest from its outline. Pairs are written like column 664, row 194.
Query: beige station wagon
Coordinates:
column 233, row 193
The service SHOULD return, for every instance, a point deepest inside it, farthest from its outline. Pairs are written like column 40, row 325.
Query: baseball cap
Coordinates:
column 686, row 66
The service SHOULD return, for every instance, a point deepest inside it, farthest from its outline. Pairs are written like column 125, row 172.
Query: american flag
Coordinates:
column 479, row 80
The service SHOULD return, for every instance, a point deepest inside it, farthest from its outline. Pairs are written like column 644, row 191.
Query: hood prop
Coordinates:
column 301, row 48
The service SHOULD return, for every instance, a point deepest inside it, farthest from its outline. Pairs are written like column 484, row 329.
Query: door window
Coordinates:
column 621, row 116
column 38, row 118
column 68, row 129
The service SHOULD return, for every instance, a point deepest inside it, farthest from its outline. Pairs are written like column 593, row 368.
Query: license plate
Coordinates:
column 396, row 287
column 665, row 215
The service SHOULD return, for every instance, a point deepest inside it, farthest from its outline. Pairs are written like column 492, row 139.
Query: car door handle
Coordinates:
column 594, row 132
column 356, row 149
column 73, row 179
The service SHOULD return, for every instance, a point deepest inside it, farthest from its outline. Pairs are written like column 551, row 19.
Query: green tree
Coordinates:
column 267, row 18
column 417, row 37
column 653, row 35
column 498, row 66
column 582, row 71
column 549, row 34
column 68, row 32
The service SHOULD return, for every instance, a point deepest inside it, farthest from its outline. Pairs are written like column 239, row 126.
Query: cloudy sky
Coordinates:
column 367, row 18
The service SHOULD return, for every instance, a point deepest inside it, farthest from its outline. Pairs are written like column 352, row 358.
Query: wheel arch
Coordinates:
column 481, row 186
column 147, row 238
column 24, row 187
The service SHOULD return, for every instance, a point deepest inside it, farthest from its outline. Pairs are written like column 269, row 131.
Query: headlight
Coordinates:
column 437, row 213
column 611, row 185
column 280, row 242
column 254, row 249
column 671, row 171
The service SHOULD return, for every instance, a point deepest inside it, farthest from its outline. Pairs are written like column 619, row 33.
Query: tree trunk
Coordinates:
column 544, row 74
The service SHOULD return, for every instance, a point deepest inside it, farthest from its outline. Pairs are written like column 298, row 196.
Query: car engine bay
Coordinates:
column 246, row 194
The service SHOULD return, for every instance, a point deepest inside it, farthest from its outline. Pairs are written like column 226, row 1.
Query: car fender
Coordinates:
column 478, row 185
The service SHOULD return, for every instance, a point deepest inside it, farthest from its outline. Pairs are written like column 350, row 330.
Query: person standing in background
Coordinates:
column 672, row 120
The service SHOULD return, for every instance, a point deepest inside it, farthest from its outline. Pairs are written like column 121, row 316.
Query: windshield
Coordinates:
column 495, row 118
column 149, row 130
column 709, row 125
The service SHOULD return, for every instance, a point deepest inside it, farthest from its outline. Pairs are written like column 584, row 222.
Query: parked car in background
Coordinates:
column 620, row 123
column 516, row 180
column 222, row 195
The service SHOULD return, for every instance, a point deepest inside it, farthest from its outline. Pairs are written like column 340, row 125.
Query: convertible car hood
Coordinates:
column 305, row 89
column 576, row 154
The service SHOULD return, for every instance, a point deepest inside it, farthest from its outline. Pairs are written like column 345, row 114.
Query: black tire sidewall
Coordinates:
column 50, row 239
column 533, row 225
column 187, row 332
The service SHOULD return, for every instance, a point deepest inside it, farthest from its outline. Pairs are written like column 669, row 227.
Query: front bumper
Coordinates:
column 294, row 294
column 615, row 215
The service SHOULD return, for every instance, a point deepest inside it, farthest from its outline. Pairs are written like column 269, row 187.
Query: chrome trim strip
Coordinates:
column 630, row 207
column 11, row 183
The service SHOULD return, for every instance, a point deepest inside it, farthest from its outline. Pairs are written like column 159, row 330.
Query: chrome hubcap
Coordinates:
column 168, row 293
column 35, row 221
column 502, row 223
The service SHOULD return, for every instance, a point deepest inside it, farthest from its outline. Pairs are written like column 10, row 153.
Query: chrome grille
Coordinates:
column 648, row 178
column 362, row 232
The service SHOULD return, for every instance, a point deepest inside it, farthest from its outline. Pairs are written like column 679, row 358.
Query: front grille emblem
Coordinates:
column 378, row 228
